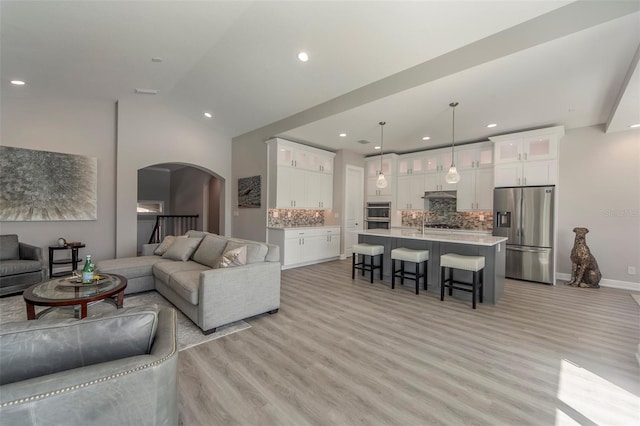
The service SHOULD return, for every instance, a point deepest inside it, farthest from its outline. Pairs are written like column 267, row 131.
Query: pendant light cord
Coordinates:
column 382, row 123
column 453, row 129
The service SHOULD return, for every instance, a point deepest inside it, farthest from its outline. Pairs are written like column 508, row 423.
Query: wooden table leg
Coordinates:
column 83, row 310
column 31, row 310
column 120, row 299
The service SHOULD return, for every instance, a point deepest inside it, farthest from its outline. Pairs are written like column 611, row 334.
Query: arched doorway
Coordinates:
column 179, row 189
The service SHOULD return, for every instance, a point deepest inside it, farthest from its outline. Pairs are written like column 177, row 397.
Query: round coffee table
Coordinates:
column 60, row 292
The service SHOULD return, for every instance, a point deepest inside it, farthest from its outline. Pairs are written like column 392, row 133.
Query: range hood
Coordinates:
column 433, row 195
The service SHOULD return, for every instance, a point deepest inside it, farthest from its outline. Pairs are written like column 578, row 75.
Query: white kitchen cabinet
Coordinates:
column 437, row 160
column 305, row 246
column 319, row 190
column 410, row 192
column 474, row 156
column 411, row 164
column 475, row 190
column 527, row 158
column 435, row 182
column 374, row 165
column 380, row 194
column 299, row 177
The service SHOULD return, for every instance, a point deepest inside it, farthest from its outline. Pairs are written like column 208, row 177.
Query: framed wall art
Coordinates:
column 47, row 186
column 249, row 192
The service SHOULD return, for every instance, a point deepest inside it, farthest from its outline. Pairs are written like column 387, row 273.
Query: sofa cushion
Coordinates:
column 182, row 249
column 164, row 245
column 233, row 257
column 15, row 267
column 164, row 270
column 130, row 267
column 27, row 349
column 256, row 251
column 186, row 284
column 210, row 250
column 9, row 248
column 196, row 234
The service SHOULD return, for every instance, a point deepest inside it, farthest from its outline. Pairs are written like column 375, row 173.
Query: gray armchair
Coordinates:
column 112, row 369
column 21, row 265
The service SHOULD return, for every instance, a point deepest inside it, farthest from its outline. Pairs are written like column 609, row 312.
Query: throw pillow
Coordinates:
column 164, row 245
column 233, row 257
column 182, row 249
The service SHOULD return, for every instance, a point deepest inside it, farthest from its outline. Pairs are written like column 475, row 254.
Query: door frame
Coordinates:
column 351, row 188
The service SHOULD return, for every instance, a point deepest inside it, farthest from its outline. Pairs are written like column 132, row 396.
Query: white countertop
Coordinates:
column 439, row 235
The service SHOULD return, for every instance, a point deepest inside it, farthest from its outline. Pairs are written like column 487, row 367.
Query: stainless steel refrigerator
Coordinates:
column 525, row 216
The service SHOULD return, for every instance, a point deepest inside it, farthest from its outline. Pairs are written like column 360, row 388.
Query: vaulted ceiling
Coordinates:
column 520, row 64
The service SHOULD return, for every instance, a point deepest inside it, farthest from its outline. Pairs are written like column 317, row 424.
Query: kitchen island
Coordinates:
column 442, row 242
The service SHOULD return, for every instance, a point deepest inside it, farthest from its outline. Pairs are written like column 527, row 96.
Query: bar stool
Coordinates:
column 453, row 261
column 409, row 255
column 364, row 250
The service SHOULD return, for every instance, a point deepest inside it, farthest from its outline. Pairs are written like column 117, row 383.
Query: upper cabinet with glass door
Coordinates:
column 475, row 156
column 411, row 164
column 533, row 145
column 291, row 154
column 527, row 158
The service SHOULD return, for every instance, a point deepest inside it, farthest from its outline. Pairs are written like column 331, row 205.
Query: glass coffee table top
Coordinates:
column 66, row 292
column 68, row 288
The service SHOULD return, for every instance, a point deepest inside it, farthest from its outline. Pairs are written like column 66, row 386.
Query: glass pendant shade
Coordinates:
column 382, row 181
column 453, row 176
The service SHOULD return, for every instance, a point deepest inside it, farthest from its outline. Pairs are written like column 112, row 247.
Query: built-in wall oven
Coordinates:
column 378, row 215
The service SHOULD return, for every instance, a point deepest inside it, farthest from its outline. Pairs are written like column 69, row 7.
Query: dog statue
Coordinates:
column 584, row 268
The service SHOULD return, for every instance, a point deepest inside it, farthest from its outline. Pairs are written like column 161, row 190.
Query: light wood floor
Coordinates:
column 344, row 352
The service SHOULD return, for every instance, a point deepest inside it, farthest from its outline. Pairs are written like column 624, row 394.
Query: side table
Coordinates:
column 73, row 261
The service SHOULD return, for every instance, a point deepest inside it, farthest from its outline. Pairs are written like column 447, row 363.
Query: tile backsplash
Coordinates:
column 444, row 212
column 285, row 218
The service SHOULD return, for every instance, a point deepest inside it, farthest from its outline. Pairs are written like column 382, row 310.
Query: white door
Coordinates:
column 353, row 207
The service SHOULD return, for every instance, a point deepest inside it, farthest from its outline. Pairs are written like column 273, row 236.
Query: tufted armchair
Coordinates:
column 112, row 369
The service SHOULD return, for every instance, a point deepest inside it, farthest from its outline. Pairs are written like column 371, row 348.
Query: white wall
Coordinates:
column 151, row 133
column 599, row 184
column 72, row 127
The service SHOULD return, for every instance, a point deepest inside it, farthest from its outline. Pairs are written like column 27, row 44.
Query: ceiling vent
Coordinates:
column 146, row 92
column 363, row 142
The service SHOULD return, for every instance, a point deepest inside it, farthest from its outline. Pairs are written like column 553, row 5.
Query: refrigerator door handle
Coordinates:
column 528, row 249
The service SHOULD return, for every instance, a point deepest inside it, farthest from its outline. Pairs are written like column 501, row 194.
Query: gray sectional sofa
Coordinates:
column 190, row 276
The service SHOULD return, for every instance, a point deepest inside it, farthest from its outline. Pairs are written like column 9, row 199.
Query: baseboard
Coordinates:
column 312, row 262
column 624, row 285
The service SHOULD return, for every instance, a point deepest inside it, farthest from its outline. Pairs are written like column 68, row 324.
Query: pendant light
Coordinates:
column 382, row 181
column 453, row 176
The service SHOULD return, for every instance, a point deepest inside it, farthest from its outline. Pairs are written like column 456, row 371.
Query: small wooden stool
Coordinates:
column 364, row 250
column 453, row 261
column 409, row 255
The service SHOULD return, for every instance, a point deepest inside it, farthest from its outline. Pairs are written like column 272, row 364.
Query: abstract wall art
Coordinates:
column 249, row 192
column 47, row 186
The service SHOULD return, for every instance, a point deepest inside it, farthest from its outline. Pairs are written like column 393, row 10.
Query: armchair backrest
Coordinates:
column 31, row 349
column 9, row 249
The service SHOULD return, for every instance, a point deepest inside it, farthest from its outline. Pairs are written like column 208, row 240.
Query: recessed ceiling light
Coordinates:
column 18, row 82
column 303, row 56
column 376, row 147
column 633, row 126
column 343, row 135
column 208, row 114
column 491, row 125
column 426, row 138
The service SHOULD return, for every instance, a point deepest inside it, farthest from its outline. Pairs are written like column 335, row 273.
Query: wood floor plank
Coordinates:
column 343, row 352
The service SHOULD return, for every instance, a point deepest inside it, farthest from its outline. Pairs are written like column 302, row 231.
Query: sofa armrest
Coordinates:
column 29, row 252
column 231, row 294
column 148, row 249
column 138, row 390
